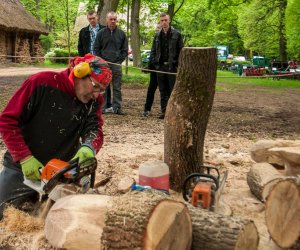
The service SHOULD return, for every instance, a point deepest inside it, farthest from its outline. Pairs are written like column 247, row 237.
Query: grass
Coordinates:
column 255, row 82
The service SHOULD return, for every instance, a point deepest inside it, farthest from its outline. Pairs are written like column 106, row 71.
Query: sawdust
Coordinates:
column 19, row 221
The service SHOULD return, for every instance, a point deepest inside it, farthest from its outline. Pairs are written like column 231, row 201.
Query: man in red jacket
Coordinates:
column 52, row 115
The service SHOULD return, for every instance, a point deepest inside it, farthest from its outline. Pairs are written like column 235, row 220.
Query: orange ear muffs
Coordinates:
column 82, row 70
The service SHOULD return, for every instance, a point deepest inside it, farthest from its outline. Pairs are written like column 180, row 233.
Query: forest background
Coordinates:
column 268, row 28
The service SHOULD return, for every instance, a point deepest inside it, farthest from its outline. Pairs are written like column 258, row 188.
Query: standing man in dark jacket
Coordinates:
column 112, row 45
column 52, row 115
column 86, row 40
column 87, row 35
column 165, row 50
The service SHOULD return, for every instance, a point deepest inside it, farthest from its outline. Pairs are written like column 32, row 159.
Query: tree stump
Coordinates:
column 188, row 112
column 136, row 220
column 283, row 212
column 261, row 178
column 218, row 232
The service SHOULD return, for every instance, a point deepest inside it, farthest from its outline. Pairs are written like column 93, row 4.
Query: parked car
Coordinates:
column 145, row 55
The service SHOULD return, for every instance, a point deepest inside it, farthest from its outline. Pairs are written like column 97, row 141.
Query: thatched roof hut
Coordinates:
column 19, row 33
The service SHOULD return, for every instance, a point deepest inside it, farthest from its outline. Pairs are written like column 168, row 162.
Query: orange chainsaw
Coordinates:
column 204, row 189
column 58, row 172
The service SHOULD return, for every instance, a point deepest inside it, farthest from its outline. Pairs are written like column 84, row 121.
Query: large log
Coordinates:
column 218, row 232
column 188, row 112
column 261, row 178
column 283, row 212
column 137, row 220
column 290, row 157
column 260, row 150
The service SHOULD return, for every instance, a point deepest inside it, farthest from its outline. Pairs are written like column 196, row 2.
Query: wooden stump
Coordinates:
column 188, row 112
column 283, row 212
column 261, row 178
column 218, row 232
column 137, row 220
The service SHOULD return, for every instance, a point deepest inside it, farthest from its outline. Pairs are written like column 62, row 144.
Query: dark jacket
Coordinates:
column 44, row 118
column 84, row 40
column 175, row 46
column 111, row 46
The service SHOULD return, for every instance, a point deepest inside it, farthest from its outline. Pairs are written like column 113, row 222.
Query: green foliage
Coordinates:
column 63, row 53
column 293, row 28
column 47, row 42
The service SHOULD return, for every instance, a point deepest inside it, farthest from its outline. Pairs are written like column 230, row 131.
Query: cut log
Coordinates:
column 218, row 232
column 261, row 178
column 290, row 157
column 136, row 220
column 76, row 221
column 283, row 212
column 260, row 150
column 147, row 220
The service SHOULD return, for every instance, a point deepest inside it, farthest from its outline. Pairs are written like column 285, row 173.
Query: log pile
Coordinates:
column 143, row 220
column 271, row 155
column 279, row 189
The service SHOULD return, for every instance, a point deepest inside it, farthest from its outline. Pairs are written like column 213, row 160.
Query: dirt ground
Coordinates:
column 240, row 117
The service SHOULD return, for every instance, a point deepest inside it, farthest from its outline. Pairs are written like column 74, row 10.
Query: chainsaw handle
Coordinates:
column 195, row 175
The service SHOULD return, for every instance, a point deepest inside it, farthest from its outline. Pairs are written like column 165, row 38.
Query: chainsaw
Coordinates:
column 57, row 172
column 204, row 189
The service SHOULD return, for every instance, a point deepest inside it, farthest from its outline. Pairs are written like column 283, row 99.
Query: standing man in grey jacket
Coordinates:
column 165, row 50
column 111, row 44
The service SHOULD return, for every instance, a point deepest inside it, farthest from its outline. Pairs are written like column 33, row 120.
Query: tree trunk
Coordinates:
column 171, row 8
column 261, row 178
column 283, row 212
column 281, row 30
column 218, row 232
column 136, row 220
column 135, row 32
column 106, row 6
column 188, row 112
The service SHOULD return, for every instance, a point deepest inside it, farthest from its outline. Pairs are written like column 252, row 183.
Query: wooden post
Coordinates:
column 188, row 112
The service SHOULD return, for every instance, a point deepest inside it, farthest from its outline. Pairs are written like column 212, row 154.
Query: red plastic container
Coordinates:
column 154, row 174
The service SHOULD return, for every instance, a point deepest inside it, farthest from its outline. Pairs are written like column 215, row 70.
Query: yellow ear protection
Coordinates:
column 82, row 70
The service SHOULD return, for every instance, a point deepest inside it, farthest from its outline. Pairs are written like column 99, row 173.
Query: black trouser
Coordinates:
column 166, row 84
column 13, row 191
column 151, row 91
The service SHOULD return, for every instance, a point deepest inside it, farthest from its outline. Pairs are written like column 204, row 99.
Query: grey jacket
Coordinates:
column 111, row 46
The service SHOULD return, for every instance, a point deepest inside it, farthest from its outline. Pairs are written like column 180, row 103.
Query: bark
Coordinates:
column 283, row 212
column 188, row 112
column 261, row 178
column 135, row 32
column 218, row 232
column 106, row 6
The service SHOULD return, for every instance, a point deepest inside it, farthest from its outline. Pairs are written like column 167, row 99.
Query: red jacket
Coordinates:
column 44, row 118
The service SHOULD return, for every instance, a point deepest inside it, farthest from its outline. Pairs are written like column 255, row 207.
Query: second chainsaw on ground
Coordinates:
column 204, row 189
